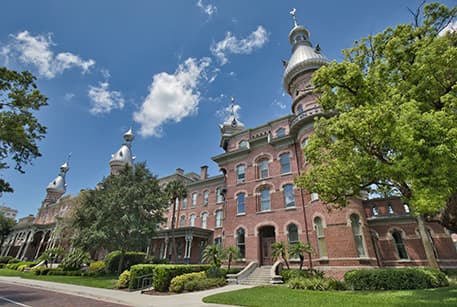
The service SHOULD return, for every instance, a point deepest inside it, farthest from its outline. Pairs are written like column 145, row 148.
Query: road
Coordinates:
column 15, row 295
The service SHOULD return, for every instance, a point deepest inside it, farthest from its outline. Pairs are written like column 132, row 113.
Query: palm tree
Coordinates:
column 212, row 254
column 299, row 249
column 174, row 190
column 230, row 253
column 279, row 250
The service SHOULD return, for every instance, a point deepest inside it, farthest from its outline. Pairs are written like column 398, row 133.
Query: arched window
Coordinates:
column 218, row 218
column 357, row 232
column 292, row 234
column 184, row 203
column 262, row 167
column 243, row 144
column 406, row 208
column 320, row 237
column 390, row 209
column 374, row 211
column 265, row 204
column 194, row 199
column 205, row 197
column 240, row 242
column 284, row 159
column 240, row 173
column 182, row 221
column 204, row 220
column 289, row 197
column 192, row 220
column 241, row 203
column 219, row 195
column 399, row 244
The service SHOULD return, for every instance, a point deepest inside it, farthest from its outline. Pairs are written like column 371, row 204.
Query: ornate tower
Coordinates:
column 124, row 155
column 57, row 187
column 303, row 62
column 231, row 126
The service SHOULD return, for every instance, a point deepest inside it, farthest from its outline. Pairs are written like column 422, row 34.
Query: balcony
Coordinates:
column 305, row 116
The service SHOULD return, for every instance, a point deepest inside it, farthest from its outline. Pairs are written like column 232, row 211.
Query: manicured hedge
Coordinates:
column 6, row 259
column 288, row 274
column 195, row 282
column 22, row 265
column 130, row 258
column 395, row 279
column 315, row 283
column 164, row 273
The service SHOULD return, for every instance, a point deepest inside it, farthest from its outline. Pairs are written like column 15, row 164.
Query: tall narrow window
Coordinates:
column 240, row 173
column 285, row 163
column 320, row 237
column 205, row 197
column 399, row 244
column 184, row 203
column 194, row 199
column 219, row 195
column 390, row 209
column 218, row 241
column 204, row 219
column 263, row 168
column 374, row 211
column 182, row 221
column 219, row 218
column 289, row 198
column 265, row 199
column 406, row 208
column 314, row 196
column 241, row 203
column 292, row 233
column 240, row 242
column 177, row 203
column 192, row 220
column 357, row 232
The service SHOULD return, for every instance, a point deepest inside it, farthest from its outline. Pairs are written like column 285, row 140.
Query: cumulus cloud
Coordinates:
column 36, row 51
column 171, row 97
column 232, row 44
column 208, row 9
column 104, row 100
column 451, row 27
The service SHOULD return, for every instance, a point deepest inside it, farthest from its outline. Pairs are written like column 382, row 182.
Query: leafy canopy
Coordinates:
column 19, row 128
column 390, row 124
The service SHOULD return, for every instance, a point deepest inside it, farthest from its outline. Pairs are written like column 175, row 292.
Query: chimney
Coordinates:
column 204, row 172
column 180, row 171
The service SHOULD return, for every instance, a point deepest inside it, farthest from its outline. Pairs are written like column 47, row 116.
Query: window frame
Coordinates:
column 292, row 195
column 286, row 167
column 243, row 203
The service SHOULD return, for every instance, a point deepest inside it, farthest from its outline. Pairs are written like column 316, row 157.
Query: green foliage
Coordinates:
column 294, row 273
column 52, row 254
column 125, row 209
column 279, row 251
column 395, row 279
column 194, row 282
column 6, row 259
column 97, row 267
column 14, row 260
column 315, row 283
column 130, row 258
column 178, row 282
column 393, row 102
column 212, row 255
column 74, row 260
column 229, row 253
column 299, row 250
column 20, row 265
column 136, row 271
column 6, row 223
column 19, row 128
column 163, row 274
column 124, row 280
column 174, row 190
column 40, row 270
column 215, row 272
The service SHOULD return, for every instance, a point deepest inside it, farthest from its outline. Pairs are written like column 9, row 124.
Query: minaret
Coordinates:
column 57, row 187
column 231, row 126
column 124, row 155
column 298, row 70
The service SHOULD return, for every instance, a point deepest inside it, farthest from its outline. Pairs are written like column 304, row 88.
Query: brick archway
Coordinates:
column 267, row 236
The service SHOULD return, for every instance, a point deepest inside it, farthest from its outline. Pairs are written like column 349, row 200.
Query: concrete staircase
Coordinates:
column 260, row 276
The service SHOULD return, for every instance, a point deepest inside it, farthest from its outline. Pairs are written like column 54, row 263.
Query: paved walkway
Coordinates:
column 191, row 299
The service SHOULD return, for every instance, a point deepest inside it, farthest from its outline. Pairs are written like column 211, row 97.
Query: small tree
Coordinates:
column 51, row 255
column 230, row 253
column 6, row 225
column 279, row 250
column 212, row 255
column 174, row 190
column 299, row 249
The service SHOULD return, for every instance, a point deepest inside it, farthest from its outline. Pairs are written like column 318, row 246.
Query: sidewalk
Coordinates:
column 191, row 299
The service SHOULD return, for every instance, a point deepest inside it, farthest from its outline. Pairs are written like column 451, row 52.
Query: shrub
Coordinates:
column 6, row 259
column 124, row 280
column 130, row 258
column 177, row 283
column 22, row 265
column 2, row 265
column 14, row 260
column 164, row 273
column 395, row 279
column 74, row 260
column 295, row 273
column 139, row 270
column 97, row 267
column 194, row 282
column 40, row 270
column 315, row 283
column 215, row 272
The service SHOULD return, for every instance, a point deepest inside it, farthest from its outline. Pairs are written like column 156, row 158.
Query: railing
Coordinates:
column 145, row 281
column 305, row 114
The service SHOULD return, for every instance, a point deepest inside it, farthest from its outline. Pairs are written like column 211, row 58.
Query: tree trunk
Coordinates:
column 426, row 243
column 302, row 259
column 121, row 262
column 448, row 216
column 173, row 238
column 229, row 261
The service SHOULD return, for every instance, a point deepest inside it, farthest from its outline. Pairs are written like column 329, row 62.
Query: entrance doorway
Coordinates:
column 267, row 237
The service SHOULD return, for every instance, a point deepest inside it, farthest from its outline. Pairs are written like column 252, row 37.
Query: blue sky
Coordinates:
column 164, row 68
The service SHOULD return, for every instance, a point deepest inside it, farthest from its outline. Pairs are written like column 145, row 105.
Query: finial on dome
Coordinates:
column 65, row 167
column 294, row 10
column 129, row 136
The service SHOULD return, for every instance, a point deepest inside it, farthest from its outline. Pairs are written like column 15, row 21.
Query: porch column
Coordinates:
column 39, row 246
column 165, row 249
column 188, row 248
column 21, row 248
column 27, row 245
column 11, row 244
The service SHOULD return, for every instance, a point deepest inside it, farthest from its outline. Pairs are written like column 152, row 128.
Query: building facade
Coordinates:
column 8, row 212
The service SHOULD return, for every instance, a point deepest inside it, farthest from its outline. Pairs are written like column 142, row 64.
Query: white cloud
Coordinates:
column 105, row 73
column 208, row 9
column 103, row 100
column 226, row 114
column 68, row 96
column 36, row 51
column 232, row 44
column 451, row 27
column 172, row 97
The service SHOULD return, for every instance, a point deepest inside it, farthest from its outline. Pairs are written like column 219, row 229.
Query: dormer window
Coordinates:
column 281, row 132
column 243, row 144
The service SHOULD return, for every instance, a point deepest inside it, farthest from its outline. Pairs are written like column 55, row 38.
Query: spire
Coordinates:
column 124, row 155
column 58, row 186
column 231, row 125
column 294, row 10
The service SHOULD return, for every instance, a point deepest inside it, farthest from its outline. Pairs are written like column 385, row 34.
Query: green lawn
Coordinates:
column 280, row 296
column 107, row 282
